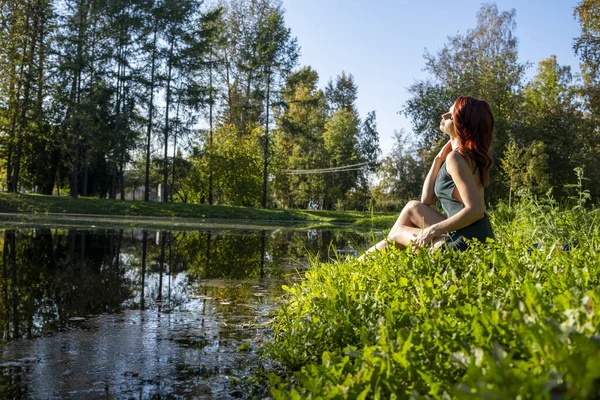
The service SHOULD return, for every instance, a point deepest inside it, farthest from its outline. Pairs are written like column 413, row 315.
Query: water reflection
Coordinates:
column 143, row 313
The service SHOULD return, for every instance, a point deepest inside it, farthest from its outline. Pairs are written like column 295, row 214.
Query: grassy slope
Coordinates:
column 92, row 207
column 505, row 320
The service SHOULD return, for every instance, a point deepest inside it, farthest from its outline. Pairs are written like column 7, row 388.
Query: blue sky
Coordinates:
column 381, row 42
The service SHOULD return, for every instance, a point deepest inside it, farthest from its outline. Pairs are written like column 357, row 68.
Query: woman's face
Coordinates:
column 447, row 124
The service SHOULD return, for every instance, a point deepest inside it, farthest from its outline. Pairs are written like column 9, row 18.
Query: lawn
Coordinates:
column 39, row 207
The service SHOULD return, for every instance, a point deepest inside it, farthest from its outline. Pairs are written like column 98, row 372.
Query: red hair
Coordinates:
column 474, row 127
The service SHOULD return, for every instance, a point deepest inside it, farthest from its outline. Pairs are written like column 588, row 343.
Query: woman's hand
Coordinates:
column 447, row 149
column 425, row 237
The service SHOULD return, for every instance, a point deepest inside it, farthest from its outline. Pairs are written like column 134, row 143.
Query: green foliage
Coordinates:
column 298, row 141
column 342, row 93
column 587, row 47
column 237, row 165
column 502, row 320
column 401, row 176
column 525, row 169
column 551, row 114
column 341, row 144
column 588, row 12
column 581, row 195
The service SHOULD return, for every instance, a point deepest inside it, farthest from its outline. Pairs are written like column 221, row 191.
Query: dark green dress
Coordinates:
column 480, row 230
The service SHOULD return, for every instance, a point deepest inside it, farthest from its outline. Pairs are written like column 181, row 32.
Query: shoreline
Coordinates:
column 29, row 210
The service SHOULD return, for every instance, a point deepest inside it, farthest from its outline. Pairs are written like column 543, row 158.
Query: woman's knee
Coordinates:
column 396, row 239
column 410, row 207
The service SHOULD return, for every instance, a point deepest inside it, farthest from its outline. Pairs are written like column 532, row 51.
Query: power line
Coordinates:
column 353, row 167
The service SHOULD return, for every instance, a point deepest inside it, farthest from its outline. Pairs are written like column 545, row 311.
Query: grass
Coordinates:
column 502, row 320
column 34, row 208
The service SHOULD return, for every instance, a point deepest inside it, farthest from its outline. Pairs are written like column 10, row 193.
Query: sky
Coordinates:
column 381, row 43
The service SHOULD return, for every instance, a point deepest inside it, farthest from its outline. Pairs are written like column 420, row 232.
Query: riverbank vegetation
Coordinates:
column 37, row 208
column 519, row 317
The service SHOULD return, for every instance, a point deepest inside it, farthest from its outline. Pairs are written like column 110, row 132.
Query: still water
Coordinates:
column 145, row 314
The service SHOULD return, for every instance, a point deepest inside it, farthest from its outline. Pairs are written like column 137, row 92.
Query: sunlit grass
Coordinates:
column 502, row 320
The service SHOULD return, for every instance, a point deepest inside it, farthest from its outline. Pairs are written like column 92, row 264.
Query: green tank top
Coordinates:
column 443, row 188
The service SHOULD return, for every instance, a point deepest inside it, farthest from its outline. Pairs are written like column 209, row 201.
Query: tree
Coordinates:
column 341, row 143
column 124, row 25
column 212, row 24
column 238, row 159
column 342, row 140
column 587, row 46
column 400, row 176
column 551, row 114
column 369, row 151
column 298, row 140
column 525, row 169
column 25, row 36
column 277, row 54
column 342, row 93
column 75, row 61
column 150, row 48
column 178, row 17
column 481, row 63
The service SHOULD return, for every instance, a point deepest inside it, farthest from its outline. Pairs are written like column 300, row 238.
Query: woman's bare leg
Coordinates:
column 414, row 217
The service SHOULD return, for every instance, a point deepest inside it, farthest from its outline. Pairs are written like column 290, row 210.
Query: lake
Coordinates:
column 133, row 313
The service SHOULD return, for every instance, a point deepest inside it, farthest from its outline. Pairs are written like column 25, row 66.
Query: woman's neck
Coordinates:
column 455, row 143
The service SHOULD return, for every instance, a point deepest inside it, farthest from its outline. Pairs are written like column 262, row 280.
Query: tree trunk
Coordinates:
column 16, row 169
column 83, row 14
column 229, row 95
column 266, row 155
column 121, row 180
column 161, row 266
column 85, row 179
column 166, row 133
column 16, row 105
column 116, row 127
column 150, row 112
column 113, row 186
column 144, row 255
column 210, row 133
column 175, row 146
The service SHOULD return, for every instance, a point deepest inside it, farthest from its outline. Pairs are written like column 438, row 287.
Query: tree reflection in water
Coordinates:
column 209, row 286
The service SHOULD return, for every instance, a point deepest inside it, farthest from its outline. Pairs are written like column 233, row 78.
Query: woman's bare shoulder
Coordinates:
column 455, row 160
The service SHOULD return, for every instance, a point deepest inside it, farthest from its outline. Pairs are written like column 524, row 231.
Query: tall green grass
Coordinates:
column 502, row 320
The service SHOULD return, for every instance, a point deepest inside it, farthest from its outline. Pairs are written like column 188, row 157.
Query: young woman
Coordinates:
column 457, row 178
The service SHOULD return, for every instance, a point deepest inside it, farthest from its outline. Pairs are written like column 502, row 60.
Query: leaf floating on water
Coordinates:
column 266, row 323
column 28, row 359
column 10, row 364
column 244, row 347
column 97, row 371
column 199, row 297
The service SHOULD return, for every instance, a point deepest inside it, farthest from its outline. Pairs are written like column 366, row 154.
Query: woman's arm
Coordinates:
column 470, row 195
column 428, row 195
